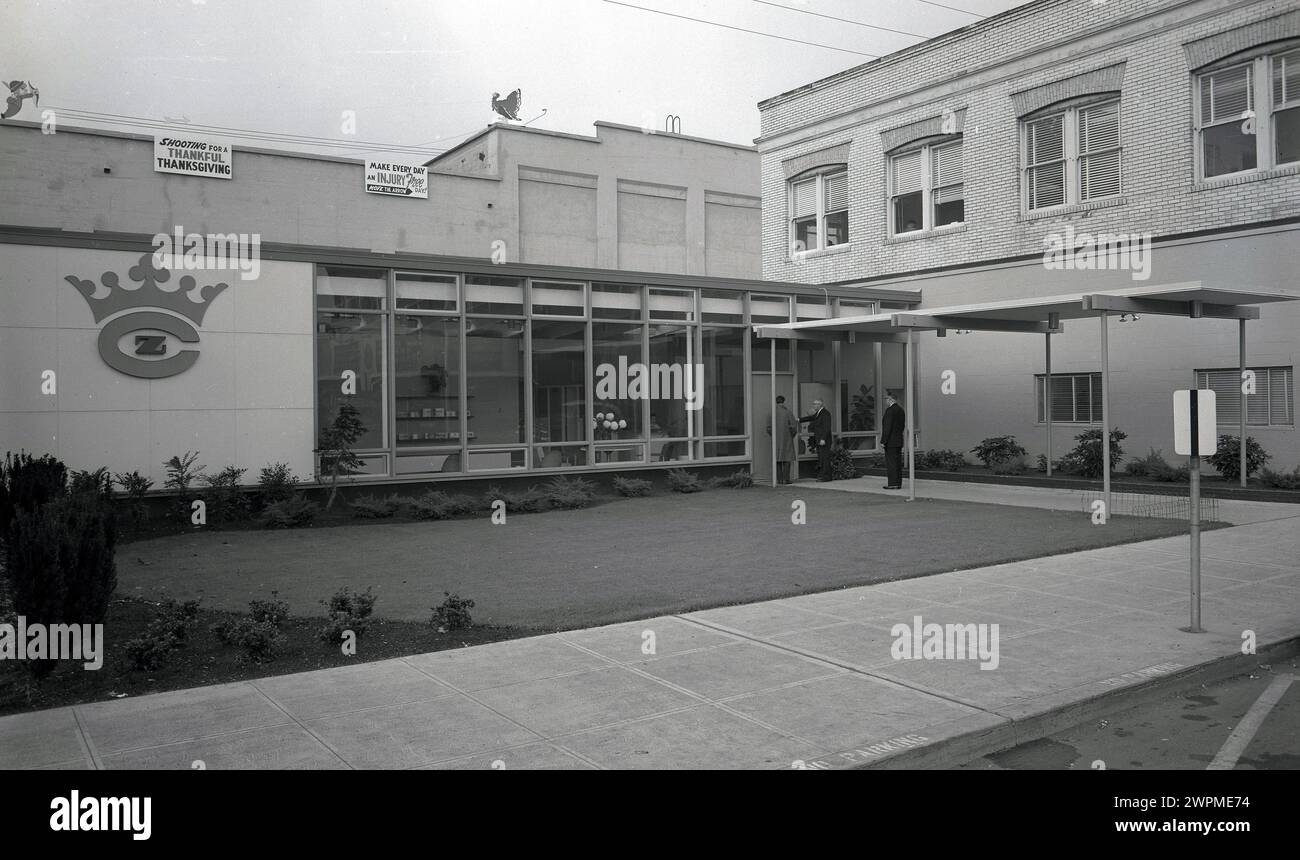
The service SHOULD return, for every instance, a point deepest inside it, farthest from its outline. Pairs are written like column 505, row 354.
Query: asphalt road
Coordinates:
column 1187, row 730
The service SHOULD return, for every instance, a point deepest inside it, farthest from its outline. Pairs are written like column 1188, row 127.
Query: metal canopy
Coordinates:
column 1041, row 315
column 1191, row 299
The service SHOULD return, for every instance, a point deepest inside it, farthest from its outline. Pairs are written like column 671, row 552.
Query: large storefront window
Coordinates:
column 494, row 373
column 426, row 380
column 860, row 402
column 616, row 346
column 723, row 412
column 476, row 373
column 351, row 348
column 559, row 393
column 671, row 360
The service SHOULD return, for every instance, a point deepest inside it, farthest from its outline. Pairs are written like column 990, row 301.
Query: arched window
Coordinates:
column 1248, row 111
column 1071, row 152
column 819, row 208
column 926, row 187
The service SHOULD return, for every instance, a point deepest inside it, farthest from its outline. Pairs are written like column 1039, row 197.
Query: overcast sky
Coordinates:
column 422, row 72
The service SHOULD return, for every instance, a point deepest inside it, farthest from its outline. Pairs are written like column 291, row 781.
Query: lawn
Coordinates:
column 617, row 561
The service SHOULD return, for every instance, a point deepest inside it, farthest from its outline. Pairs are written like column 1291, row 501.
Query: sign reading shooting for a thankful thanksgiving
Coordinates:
column 194, row 156
column 402, row 180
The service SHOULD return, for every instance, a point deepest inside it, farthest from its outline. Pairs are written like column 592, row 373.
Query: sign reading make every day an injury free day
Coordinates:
column 194, row 156
column 395, row 178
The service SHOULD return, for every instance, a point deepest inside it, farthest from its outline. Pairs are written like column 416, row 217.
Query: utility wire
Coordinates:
column 953, row 8
column 845, row 20
column 252, row 134
column 741, row 29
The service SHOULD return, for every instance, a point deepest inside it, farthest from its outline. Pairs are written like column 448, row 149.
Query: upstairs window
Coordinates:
column 1248, row 114
column 1286, row 107
column 926, row 188
column 1072, row 155
column 819, row 210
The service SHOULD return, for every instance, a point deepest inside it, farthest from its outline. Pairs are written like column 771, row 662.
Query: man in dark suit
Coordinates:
column 892, row 434
column 819, row 430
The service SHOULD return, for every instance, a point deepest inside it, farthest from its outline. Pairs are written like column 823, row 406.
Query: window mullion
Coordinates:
column 1262, row 84
column 821, row 211
column 927, row 182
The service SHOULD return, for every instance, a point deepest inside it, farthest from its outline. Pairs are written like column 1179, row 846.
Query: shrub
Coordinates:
column 276, row 482
column 1013, row 466
column 347, row 610
column 873, row 460
column 274, row 611
column 1086, row 458
column 96, row 483
column 165, row 633
column 336, row 442
column 134, row 487
column 567, row 493
column 181, row 476
column 842, row 465
column 452, row 613
column 224, row 499
column 527, row 501
column 181, row 472
column 1226, row 460
column 374, row 508
column 998, row 449
column 1155, row 467
column 738, row 480
column 439, row 505
column 942, row 460
column 26, row 483
column 682, row 481
column 261, row 641
column 60, row 563
column 1280, row 480
column 289, row 514
column 258, row 632
column 1042, row 463
column 632, row 487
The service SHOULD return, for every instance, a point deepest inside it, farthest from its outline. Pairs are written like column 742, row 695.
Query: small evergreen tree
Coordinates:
column 336, row 441
column 61, row 563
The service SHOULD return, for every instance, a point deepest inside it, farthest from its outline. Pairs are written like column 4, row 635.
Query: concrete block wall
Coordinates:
column 247, row 401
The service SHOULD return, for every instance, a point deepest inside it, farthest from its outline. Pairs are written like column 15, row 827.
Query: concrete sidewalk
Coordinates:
column 808, row 679
column 1059, row 498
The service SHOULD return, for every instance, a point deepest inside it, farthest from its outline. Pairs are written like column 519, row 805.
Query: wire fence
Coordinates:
column 1153, row 504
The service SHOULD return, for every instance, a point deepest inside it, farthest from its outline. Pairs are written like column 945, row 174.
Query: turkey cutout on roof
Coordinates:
column 509, row 106
column 19, row 90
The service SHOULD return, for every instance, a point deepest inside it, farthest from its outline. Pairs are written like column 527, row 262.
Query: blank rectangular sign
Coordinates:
column 1194, row 415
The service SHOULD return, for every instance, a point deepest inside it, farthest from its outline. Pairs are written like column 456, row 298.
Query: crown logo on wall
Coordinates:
column 187, row 298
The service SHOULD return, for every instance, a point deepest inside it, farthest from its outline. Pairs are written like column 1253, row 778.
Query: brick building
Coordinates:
column 955, row 165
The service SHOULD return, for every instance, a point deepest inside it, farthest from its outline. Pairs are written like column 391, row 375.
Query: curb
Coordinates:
column 950, row 752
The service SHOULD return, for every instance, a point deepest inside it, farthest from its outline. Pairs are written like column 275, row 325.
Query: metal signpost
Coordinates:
column 1194, row 434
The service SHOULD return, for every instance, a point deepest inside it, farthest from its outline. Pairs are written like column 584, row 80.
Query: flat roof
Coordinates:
column 418, row 261
column 1034, row 314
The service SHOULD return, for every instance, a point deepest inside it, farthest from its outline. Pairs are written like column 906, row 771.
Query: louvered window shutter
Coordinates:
column 1281, row 395
column 1099, row 165
column 837, row 191
column 805, row 198
column 1045, row 140
column 1225, row 95
column 947, row 173
column 1286, row 78
column 907, row 173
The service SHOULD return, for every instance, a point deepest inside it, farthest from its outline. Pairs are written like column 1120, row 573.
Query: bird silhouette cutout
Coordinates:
column 19, row 90
column 509, row 106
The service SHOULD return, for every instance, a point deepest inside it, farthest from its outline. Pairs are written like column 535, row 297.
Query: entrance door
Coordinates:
column 760, row 410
